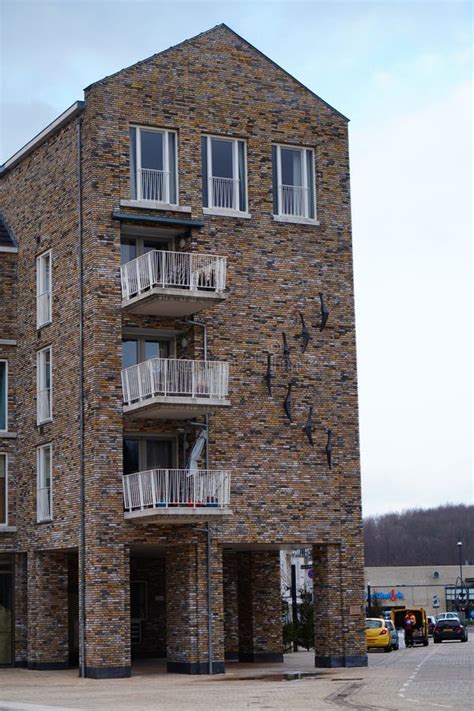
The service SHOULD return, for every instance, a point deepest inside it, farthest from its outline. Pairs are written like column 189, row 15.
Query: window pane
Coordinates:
column 158, row 454
column 129, row 353
column 172, row 166
column 130, row 456
column 291, row 167
column 133, row 163
column 310, row 178
column 3, row 396
column 3, row 488
column 149, row 245
column 128, row 250
column 205, row 202
column 221, row 158
column 46, row 451
column 47, row 369
column 242, row 177
column 152, row 150
column 156, row 349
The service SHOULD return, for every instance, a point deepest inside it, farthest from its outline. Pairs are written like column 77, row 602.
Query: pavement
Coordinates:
column 424, row 679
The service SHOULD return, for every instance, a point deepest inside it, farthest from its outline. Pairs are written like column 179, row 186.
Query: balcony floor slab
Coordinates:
column 174, row 408
column 175, row 303
column 176, row 514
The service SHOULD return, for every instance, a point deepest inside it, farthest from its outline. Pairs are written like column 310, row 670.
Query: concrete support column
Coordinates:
column 187, row 609
column 47, row 611
column 107, row 638
column 259, row 596
column 231, row 606
column 336, row 620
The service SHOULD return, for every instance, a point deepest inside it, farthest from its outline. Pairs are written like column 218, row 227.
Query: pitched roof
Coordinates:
column 6, row 236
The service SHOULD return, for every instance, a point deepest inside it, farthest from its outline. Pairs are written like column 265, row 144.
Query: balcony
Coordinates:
column 167, row 388
column 171, row 494
column 172, row 284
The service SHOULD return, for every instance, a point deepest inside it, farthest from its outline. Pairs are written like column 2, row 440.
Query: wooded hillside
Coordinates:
column 420, row 536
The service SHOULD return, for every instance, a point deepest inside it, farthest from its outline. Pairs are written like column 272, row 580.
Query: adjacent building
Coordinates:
column 176, row 404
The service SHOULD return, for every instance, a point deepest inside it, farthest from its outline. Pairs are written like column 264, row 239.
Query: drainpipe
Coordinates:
column 210, row 651
column 82, row 507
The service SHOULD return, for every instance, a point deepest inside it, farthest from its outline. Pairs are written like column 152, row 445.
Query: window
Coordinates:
column 44, row 409
column 3, row 490
column 45, row 483
column 293, row 182
column 43, row 289
column 3, row 395
column 224, row 174
column 136, row 350
column 153, row 165
column 141, row 454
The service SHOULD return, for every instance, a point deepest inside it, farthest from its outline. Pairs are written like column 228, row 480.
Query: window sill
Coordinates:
column 222, row 212
column 11, row 250
column 288, row 219
column 4, row 528
column 44, row 422
column 8, row 435
column 42, row 325
column 45, row 520
column 152, row 205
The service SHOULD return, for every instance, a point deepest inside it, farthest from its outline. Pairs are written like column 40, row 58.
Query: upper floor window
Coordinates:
column 153, row 165
column 3, row 395
column 293, row 182
column 44, row 408
column 224, row 174
column 3, row 490
column 43, row 289
column 44, row 502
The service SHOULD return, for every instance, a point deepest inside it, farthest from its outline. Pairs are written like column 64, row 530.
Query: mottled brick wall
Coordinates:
column 47, row 610
column 259, row 595
column 231, row 605
column 21, row 609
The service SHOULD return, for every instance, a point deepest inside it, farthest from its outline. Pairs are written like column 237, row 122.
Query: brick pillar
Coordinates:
column 107, row 639
column 21, row 610
column 187, row 609
column 337, row 612
column 47, row 611
column 260, row 627
column 231, row 606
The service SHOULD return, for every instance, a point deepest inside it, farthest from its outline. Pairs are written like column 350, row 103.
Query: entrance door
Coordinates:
column 6, row 610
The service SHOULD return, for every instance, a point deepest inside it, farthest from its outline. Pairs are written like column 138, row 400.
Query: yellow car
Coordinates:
column 377, row 634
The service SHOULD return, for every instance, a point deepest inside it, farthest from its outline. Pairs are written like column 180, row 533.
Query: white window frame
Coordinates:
column 3, row 524
column 281, row 216
column 41, row 291
column 234, row 211
column 40, row 380
column 3, row 360
column 40, row 480
column 166, row 164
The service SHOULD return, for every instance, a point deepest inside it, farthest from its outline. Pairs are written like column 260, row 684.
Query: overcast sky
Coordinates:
column 402, row 73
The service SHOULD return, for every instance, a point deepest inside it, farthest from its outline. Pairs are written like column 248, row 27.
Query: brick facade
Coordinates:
column 282, row 491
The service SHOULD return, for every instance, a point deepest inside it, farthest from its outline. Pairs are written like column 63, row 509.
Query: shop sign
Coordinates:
column 392, row 595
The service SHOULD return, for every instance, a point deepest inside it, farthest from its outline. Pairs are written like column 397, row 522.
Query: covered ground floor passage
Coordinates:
column 152, row 602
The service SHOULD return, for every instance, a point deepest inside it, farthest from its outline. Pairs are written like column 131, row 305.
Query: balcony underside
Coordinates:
column 164, row 407
column 177, row 514
column 171, row 302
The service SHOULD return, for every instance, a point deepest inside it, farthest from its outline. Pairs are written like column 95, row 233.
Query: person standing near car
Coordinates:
column 409, row 623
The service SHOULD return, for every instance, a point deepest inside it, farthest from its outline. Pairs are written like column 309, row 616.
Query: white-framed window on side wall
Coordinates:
column 154, row 165
column 3, row 395
column 294, row 194
column 44, row 377
column 44, row 284
column 224, row 175
column 44, row 501
column 3, row 489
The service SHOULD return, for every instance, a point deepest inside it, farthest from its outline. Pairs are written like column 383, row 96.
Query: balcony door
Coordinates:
column 143, row 454
column 133, row 247
column 137, row 350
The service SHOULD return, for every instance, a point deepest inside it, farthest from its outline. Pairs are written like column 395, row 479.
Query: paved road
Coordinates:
column 420, row 679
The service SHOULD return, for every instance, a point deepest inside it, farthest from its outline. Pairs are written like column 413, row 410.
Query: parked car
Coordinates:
column 393, row 634
column 378, row 635
column 448, row 616
column 449, row 629
column 431, row 624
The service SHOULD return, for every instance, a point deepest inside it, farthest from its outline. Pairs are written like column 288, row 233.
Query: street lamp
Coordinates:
column 460, row 558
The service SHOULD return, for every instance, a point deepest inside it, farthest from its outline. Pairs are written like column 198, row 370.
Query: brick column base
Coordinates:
column 259, row 596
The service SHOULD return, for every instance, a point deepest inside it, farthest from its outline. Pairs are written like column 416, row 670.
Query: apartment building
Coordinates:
column 178, row 388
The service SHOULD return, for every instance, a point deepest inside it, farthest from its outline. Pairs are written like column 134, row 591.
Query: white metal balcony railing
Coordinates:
column 294, row 200
column 173, row 270
column 44, row 405
column 43, row 308
column 154, row 184
column 224, row 192
column 164, row 488
column 172, row 377
column 44, row 504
